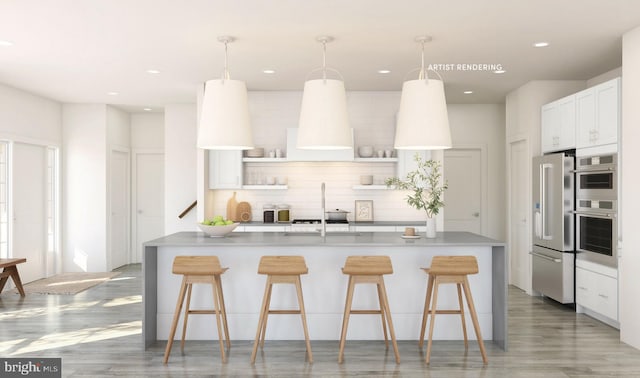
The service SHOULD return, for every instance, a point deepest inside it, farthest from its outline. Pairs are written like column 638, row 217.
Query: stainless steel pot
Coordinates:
column 337, row 215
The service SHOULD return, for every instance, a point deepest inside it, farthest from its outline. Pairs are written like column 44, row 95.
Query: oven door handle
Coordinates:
column 596, row 170
column 595, row 215
column 546, row 257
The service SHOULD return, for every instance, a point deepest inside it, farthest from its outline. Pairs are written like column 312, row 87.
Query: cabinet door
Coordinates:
column 225, row 169
column 567, row 128
column 607, row 112
column 597, row 292
column 558, row 121
column 585, row 118
column 549, row 120
column 598, row 114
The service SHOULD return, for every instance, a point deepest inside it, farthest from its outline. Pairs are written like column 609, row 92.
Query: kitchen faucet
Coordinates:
column 323, row 229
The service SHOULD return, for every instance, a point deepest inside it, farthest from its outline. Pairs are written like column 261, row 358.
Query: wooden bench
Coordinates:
column 11, row 270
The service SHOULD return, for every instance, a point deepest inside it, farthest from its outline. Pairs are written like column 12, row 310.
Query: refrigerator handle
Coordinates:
column 543, row 199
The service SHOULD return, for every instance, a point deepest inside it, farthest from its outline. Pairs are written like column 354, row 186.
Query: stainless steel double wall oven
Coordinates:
column 597, row 209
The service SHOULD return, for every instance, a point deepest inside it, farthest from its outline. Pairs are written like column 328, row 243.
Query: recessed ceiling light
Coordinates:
column 384, row 71
column 147, row 109
column 467, row 92
column 5, row 43
column 113, row 93
column 268, row 72
column 153, row 71
column 499, row 71
column 541, row 44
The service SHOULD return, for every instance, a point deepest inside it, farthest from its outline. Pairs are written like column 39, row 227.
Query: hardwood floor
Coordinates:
column 97, row 334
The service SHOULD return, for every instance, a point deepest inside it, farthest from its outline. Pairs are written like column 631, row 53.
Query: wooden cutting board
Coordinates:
column 232, row 205
column 243, row 212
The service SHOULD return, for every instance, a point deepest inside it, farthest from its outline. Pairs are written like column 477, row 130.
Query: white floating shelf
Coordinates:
column 264, row 160
column 371, row 187
column 376, row 160
column 265, row 187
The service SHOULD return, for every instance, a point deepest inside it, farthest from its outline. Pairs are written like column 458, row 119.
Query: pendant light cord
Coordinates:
column 324, row 61
column 225, row 75
column 423, row 73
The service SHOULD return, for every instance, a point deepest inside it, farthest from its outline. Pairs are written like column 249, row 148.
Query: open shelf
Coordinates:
column 371, row 187
column 265, row 187
column 264, row 160
column 376, row 160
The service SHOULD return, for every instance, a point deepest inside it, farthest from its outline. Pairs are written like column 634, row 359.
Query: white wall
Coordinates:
column 147, row 130
column 483, row 124
column 180, row 166
column 29, row 118
column 630, row 140
column 616, row 72
column 118, row 128
column 84, row 187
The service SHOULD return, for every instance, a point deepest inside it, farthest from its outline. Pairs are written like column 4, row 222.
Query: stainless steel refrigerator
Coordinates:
column 553, row 254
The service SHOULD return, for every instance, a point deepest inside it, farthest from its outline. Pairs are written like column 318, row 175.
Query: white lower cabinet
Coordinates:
column 597, row 289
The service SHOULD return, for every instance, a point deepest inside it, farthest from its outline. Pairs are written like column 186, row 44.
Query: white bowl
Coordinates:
column 365, row 151
column 217, row 231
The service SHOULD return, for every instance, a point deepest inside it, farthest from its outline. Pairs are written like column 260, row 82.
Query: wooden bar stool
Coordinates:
column 199, row 269
column 370, row 270
column 444, row 270
column 281, row 269
column 9, row 269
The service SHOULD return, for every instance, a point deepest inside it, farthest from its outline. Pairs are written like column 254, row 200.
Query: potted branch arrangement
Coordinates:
column 427, row 190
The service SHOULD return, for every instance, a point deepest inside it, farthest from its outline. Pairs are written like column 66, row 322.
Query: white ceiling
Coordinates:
column 77, row 51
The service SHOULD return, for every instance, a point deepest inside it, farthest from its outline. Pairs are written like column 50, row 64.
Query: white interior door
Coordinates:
column 463, row 170
column 29, row 212
column 149, row 199
column 119, row 216
column 519, row 230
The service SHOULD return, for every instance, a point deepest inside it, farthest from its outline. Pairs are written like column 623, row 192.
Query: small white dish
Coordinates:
column 410, row 236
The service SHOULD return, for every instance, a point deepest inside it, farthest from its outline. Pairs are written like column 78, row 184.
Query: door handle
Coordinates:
column 543, row 199
column 476, row 214
column 546, row 257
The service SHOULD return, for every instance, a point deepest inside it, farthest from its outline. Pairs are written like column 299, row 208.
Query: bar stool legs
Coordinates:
column 368, row 269
column 281, row 269
column 199, row 269
column 450, row 269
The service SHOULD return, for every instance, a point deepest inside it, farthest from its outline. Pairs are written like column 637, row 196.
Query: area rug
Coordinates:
column 67, row 283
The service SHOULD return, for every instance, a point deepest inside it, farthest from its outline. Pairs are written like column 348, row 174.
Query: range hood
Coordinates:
column 295, row 154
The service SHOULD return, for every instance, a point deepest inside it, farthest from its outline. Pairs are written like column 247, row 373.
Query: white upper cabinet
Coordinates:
column 225, row 169
column 558, row 121
column 598, row 114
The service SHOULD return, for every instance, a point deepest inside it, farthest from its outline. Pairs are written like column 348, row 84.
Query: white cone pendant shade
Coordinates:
column 324, row 121
column 423, row 123
column 224, row 117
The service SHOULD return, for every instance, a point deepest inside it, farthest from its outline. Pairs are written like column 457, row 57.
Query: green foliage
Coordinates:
column 424, row 182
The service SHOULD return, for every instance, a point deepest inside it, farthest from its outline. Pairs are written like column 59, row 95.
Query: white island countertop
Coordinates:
column 324, row 286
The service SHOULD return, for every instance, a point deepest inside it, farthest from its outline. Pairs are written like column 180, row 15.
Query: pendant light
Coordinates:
column 324, row 122
column 423, row 123
column 224, row 118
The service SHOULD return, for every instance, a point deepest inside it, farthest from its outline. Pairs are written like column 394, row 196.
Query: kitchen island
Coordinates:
column 325, row 286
